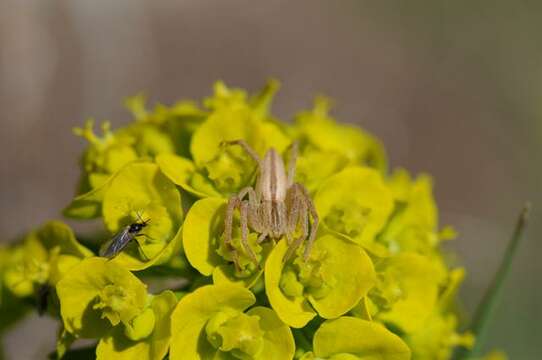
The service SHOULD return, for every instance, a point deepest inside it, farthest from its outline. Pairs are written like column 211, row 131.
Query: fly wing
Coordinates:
column 114, row 246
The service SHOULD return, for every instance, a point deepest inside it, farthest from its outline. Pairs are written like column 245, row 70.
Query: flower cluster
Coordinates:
column 375, row 283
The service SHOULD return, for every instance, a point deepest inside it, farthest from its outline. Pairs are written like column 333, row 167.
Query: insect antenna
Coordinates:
column 138, row 214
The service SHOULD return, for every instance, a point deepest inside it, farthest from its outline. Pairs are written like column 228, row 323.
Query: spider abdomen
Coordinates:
column 273, row 182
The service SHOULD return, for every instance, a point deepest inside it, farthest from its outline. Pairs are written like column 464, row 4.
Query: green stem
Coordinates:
column 487, row 306
column 301, row 340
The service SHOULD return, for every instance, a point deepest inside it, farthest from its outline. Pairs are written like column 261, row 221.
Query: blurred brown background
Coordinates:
column 452, row 88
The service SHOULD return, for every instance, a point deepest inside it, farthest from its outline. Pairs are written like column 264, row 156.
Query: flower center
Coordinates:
column 235, row 332
column 348, row 218
column 116, row 304
column 303, row 278
column 228, row 172
column 247, row 266
column 36, row 271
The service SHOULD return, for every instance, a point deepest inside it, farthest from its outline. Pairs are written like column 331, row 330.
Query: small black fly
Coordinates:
column 114, row 246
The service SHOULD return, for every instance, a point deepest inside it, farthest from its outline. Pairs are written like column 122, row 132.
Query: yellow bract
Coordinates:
column 211, row 323
column 374, row 286
column 352, row 338
column 98, row 294
column 149, row 336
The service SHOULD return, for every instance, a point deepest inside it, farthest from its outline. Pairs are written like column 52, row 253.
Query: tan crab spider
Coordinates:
column 274, row 208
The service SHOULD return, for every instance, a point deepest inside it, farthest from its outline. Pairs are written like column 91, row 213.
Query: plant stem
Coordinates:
column 487, row 306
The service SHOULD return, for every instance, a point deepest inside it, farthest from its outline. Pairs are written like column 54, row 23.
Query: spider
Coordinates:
column 274, row 208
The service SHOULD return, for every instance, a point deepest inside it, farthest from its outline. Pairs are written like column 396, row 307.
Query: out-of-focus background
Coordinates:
column 453, row 88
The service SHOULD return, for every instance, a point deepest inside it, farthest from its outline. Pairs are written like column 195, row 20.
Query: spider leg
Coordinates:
column 315, row 221
column 292, row 162
column 233, row 203
column 262, row 237
column 250, row 151
column 244, row 191
column 282, row 219
column 292, row 219
column 305, row 224
column 288, row 238
column 228, row 221
column 253, row 199
column 244, row 233
column 253, row 214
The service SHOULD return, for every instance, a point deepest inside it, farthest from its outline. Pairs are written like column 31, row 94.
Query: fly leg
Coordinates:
column 140, row 246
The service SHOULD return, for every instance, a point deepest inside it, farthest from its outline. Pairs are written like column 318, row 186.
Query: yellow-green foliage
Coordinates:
column 375, row 286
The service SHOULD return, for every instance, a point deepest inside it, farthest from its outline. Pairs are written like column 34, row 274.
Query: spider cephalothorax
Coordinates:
column 275, row 208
